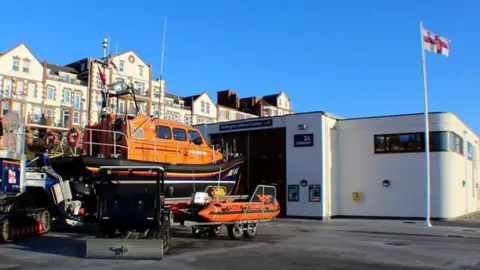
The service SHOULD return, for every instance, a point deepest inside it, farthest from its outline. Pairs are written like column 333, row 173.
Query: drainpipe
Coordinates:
column 89, row 84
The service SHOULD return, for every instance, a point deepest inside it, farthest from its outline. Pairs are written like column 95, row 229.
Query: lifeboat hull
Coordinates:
column 180, row 180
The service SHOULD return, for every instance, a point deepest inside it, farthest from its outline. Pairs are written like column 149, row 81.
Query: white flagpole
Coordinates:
column 427, row 133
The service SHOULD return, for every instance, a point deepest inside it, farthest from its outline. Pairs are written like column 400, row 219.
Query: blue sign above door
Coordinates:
column 248, row 124
column 303, row 140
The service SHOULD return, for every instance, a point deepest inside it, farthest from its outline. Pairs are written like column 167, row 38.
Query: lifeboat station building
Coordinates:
column 325, row 167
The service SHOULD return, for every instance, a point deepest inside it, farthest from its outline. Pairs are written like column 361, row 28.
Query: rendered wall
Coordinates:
column 360, row 170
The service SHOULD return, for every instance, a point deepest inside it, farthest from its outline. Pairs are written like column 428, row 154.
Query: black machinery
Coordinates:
column 132, row 217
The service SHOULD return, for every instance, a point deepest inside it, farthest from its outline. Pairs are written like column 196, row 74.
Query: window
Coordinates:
column 157, row 92
column 77, row 103
column 82, row 67
column 50, row 93
column 26, row 65
column 186, row 119
column 140, row 71
column 208, row 108
column 76, row 118
column 202, row 106
column 121, row 106
column 176, row 117
column 138, row 134
column 243, row 116
column 233, row 116
column 179, row 134
column 67, row 98
column 194, row 135
column 7, row 87
column 164, row 132
column 222, row 114
column 469, row 151
column 415, row 142
column 456, row 143
column 121, row 66
column 17, row 107
column 66, row 116
column 100, row 99
column 31, row 90
column 49, row 113
column 19, row 89
column 279, row 102
column 16, row 63
column 37, row 114
column 5, row 107
column 169, row 115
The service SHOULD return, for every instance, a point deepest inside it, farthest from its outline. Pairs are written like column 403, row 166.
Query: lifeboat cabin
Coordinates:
column 145, row 138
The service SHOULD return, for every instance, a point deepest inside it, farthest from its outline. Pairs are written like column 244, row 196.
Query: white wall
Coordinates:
column 304, row 163
column 197, row 112
column 359, row 169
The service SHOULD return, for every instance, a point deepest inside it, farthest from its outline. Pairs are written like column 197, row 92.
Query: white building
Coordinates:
column 368, row 167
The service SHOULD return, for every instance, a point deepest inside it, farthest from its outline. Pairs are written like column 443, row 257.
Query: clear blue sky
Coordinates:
column 352, row 58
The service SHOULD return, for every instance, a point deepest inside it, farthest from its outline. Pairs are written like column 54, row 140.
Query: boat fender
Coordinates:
column 73, row 137
column 50, row 139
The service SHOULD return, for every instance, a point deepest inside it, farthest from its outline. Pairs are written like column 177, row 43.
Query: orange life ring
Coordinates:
column 50, row 139
column 73, row 137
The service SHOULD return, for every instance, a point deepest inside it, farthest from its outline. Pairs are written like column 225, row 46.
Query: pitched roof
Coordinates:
column 168, row 95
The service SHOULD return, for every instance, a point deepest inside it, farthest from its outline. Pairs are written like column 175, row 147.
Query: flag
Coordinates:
column 434, row 43
column 102, row 76
column 110, row 61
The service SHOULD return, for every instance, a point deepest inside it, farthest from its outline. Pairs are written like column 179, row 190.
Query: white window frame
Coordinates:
column 7, row 88
column 77, row 95
column 19, row 107
column 16, row 63
column 48, row 112
column 5, row 107
column 50, row 92
column 34, row 114
column 67, row 98
column 20, row 87
column 31, row 90
column 121, row 106
column 202, row 106
column 76, row 114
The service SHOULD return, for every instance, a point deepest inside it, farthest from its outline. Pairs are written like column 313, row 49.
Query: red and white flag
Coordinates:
column 102, row 76
column 434, row 43
column 110, row 61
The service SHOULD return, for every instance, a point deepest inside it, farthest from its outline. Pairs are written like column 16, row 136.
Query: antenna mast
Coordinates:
column 163, row 47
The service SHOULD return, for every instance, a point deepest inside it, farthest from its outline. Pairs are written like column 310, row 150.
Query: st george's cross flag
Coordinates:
column 434, row 43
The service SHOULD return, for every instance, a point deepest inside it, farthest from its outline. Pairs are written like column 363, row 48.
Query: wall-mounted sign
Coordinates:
column 315, row 193
column 303, row 140
column 247, row 124
column 356, row 196
column 293, row 193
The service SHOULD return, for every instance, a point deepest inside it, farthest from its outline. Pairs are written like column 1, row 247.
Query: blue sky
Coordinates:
column 352, row 58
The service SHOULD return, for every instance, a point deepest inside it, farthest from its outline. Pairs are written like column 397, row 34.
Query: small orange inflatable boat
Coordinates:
column 257, row 208
column 241, row 216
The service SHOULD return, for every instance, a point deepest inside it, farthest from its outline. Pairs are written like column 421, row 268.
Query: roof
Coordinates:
column 20, row 44
column 168, row 95
column 272, row 99
column 55, row 69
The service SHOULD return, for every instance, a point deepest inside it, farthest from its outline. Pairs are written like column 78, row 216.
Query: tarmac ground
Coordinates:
column 280, row 244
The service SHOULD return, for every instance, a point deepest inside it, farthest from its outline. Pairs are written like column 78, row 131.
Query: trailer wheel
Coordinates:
column 214, row 231
column 251, row 231
column 4, row 231
column 46, row 220
column 235, row 231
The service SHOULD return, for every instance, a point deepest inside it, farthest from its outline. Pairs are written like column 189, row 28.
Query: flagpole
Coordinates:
column 427, row 132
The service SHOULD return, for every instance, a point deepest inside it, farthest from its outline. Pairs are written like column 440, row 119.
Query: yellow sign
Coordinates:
column 356, row 196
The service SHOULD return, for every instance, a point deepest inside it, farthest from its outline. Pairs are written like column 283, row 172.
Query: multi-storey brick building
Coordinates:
column 71, row 95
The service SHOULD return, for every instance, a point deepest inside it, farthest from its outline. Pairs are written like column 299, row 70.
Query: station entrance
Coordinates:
column 265, row 159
